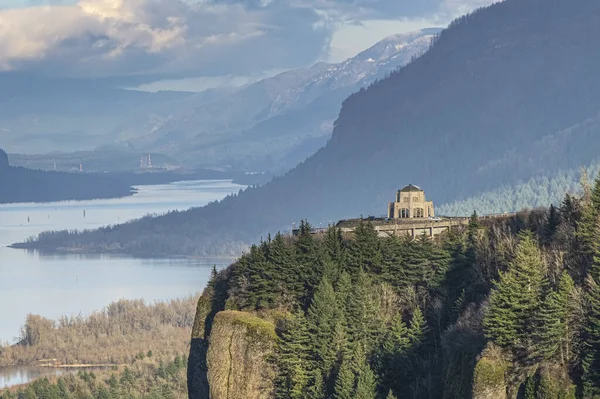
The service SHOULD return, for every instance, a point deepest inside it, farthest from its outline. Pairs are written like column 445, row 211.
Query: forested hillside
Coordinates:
column 504, row 94
column 26, row 185
column 539, row 191
column 500, row 308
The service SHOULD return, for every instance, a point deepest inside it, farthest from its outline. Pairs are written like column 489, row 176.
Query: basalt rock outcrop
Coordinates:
column 229, row 356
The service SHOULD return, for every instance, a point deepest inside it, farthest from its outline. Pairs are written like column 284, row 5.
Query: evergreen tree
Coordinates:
column 530, row 387
column 334, row 247
column 551, row 225
column 345, row 381
column 551, row 320
column 363, row 324
column 418, row 328
column 293, row 360
column 364, row 252
column 390, row 395
column 516, row 296
column 393, row 250
column 323, row 317
column 395, row 349
column 588, row 224
column 366, row 385
column 285, row 276
column 397, row 340
column 591, row 360
column 308, row 263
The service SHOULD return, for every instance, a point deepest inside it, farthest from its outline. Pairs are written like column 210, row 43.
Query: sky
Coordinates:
column 202, row 43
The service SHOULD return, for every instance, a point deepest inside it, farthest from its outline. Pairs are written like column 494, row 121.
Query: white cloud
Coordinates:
column 172, row 39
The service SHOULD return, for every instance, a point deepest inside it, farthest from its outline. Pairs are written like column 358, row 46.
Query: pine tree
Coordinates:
column 516, row 296
column 418, row 328
column 363, row 324
column 364, row 252
column 334, row 247
column 591, row 361
column 345, row 381
column 397, row 340
column 390, row 395
column 393, row 250
column 281, row 257
column 588, row 224
column 395, row 349
column 293, row 360
column 530, row 387
column 308, row 263
column 551, row 320
column 366, row 385
column 551, row 225
column 323, row 317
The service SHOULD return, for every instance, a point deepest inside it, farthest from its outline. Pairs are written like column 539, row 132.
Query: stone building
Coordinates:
column 410, row 204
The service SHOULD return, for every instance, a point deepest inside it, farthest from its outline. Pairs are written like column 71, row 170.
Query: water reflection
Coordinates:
column 12, row 376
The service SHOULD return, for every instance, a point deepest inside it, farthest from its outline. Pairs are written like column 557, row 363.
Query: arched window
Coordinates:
column 419, row 212
column 404, row 213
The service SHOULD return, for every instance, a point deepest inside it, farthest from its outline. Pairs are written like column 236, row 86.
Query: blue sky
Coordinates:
column 150, row 40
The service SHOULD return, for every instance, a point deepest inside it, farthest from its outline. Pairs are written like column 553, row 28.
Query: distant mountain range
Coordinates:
column 270, row 125
column 279, row 121
column 506, row 94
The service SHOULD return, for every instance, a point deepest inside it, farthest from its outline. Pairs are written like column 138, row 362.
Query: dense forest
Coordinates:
column 143, row 378
column 539, row 191
column 506, row 307
column 503, row 95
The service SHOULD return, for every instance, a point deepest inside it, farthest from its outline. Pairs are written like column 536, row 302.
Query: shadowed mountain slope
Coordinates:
column 495, row 85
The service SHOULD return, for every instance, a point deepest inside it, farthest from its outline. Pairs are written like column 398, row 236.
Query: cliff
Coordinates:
column 229, row 351
column 239, row 347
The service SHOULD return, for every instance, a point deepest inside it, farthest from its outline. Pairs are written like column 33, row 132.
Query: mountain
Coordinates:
column 503, row 93
column 43, row 114
column 279, row 121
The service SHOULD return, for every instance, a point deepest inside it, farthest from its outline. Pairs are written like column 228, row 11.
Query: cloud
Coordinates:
column 170, row 39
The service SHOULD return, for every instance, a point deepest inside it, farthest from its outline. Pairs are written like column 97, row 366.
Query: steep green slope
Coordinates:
column 498, row 308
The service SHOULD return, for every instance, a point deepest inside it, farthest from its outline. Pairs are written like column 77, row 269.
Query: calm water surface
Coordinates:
column 57, row 285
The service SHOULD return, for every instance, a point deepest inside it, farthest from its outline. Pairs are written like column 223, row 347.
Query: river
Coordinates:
column 56, row 285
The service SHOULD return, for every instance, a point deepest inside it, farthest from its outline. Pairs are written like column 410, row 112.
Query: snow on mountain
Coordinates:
column 284, row 110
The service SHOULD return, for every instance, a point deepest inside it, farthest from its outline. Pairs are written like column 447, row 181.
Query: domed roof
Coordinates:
column 411, row 188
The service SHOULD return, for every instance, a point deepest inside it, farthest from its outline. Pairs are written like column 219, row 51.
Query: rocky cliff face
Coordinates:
column 229, row 353
column 239, row 346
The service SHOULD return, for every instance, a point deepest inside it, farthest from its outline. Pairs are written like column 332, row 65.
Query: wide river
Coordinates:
column 57, row 285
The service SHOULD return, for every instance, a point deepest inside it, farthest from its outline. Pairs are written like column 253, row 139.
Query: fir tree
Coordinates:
column 293, row 360
column 308, row 263
column 516, row 296
column 591, row 360
column 530, row 387
column 551, row 225
column 281, row 257
column 366, row 385
column 364, row 253
column 390, row 395
column 323, row 318
column 418, row 328
column 551, row 320
column 334, row 247
column 345, row 381
column 362, row 313
column 397, row 340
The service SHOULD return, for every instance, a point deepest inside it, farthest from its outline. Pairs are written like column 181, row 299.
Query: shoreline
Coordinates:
column 107, row 252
